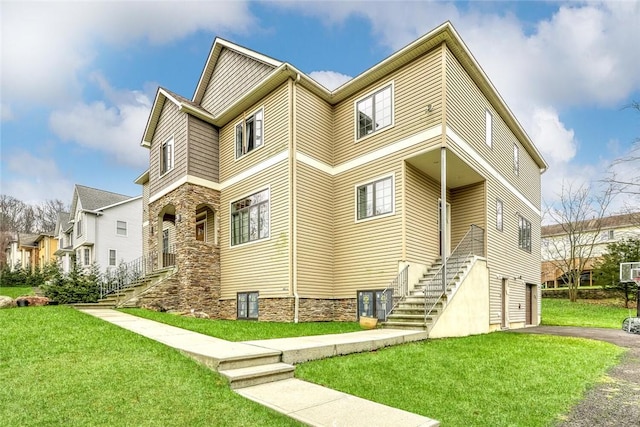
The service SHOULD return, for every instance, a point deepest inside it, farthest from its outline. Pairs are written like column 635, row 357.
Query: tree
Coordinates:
column 47, row 214
column 607, row 270
column 623, row 171
column 578, row 217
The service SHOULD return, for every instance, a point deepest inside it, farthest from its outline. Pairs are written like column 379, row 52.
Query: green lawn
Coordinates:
column 562, row 312
column 60, row 367
column 234, row 330
column 15, row 292
column 499, row 379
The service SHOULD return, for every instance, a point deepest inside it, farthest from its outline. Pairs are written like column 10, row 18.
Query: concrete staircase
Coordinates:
column 410, row 311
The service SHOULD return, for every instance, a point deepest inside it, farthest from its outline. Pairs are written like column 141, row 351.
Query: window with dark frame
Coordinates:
column 250, row 218
column 374, row 303
column 499, row 215
column 375, row 112
column 249, row 134
column 247, row 305
column 375, row 198
column 201, row 226
column 524, row 234
column 87, row 258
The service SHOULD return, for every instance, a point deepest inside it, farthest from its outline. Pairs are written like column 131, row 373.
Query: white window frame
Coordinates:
column 115, row 258
column 516, row 159
column 499, row 215
column 374, row 181
column 79, row 230
column 524, row 234
column 231, row 215
column 243, row 127
column 372, row 94
column 488, row 131
column 126, row 228
column 170, row 144
column 86, row 257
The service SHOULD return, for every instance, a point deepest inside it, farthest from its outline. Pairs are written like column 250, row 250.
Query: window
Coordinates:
column 611, row 234
column 488, row 132
column 166, row 156
column 524, row 234
column 112, row 257
column 375, row 112
column 374, row 303
column 516, row 159
column 499, row 214
column 121, row 228
column 87, row 256
column 375, row 198
column 201, row 226
column 250, row 218
column 249, row 134
column 247, row 305
column 79, row 228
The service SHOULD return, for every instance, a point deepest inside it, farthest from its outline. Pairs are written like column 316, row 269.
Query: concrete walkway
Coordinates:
column 249, row 365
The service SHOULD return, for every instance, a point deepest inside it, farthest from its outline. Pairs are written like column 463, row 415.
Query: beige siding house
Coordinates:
column 273, row 198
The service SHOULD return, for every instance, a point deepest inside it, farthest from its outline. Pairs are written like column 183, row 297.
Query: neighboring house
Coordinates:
column 285, row 201
column 47, row 246
column 102, row 228
column 555, row 246
column 22, row 251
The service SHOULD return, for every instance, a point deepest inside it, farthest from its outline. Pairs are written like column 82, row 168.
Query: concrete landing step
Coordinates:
column 85, row 305
column 254, row 375
column 418, row 326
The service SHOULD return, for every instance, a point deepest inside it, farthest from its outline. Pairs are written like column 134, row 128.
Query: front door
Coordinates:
column 504, row 313
column 444, row 231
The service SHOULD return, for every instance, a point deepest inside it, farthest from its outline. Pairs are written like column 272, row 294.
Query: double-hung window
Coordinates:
column 524, row 234
column 250, row 218
column 121, row 228
column 249, row 133
column 112, row 257
column 375, row 112
column 166, row 156
column 375, row 198
column 87, row 256
column 79, row 228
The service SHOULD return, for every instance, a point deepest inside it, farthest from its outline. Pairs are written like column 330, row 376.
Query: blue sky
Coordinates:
column 78, row 79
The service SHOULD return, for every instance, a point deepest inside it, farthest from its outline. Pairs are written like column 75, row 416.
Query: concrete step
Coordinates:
column 405, row 325
column 410, row 318
column 254, row 375
column 249, row 361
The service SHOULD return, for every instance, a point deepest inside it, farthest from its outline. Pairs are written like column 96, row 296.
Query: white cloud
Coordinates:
column 556, row 143
column 34, row 179
column 46, row 45
column 330, row 79
column 113, row 126
column 6, row 113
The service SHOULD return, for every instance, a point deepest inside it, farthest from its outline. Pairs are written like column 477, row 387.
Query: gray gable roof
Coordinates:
column 93, row 199
column 62, row 223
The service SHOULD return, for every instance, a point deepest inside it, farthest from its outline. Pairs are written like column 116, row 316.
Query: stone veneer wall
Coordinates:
column 310, row 310
column 198, row 262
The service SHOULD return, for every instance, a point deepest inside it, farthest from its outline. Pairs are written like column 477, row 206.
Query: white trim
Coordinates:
column 109, row 257
column 379, row 88
column 243, row 121
column 203, row 220
column 170, row 141
column 271, row 161
column 492, row 171
column 372, row 156
column 126, row 229
column 488, row 128
column 391, row 175
column 248, row 52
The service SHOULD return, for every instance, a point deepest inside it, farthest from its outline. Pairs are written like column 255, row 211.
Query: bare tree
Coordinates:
column 11, row 213
column 623, row 171
column 47, row 214
column 578, row 219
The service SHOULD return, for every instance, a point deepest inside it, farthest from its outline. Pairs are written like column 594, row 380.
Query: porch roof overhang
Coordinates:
column 459, row 172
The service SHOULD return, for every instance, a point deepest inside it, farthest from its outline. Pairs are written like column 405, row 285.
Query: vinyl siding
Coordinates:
column 421, row 203
column 314, row 207
column 171, row 122
column 262, row 265
column 145, row 218
column 234, row 75
column 203, row 150
column 416, row 85
column 276, row 135
column 366, row 252
column 467, row 208
column 314, row 127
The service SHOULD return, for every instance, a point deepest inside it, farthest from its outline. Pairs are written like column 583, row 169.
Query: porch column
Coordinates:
column 443, row 215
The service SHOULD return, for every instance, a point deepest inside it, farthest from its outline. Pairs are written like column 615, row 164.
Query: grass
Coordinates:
column 14, row 292
column 234, row 330
column 61, row 367
column 499, row 379
column 562, row 312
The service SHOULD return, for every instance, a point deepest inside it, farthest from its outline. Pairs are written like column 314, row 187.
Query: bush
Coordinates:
column 79, row 285
column 24, row 277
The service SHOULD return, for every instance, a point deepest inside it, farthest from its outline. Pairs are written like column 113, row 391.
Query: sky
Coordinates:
column 78, row 79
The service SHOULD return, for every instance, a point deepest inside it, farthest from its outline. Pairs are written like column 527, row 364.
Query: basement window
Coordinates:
column 247, row 305
column 373, row 303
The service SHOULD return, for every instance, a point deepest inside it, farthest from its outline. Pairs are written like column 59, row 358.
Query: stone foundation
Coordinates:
column 283, row 310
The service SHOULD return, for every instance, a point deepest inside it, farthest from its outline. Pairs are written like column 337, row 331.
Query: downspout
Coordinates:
column 294, row 215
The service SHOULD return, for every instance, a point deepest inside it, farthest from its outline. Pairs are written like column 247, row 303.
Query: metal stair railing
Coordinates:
column 395, row 291
column 129, row 274
column 472, row 244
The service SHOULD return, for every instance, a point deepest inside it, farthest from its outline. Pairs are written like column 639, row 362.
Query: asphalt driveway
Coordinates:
column 615, row 401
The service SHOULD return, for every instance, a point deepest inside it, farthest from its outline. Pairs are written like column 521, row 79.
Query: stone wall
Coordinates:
column 310, row 310
column 197, row 281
